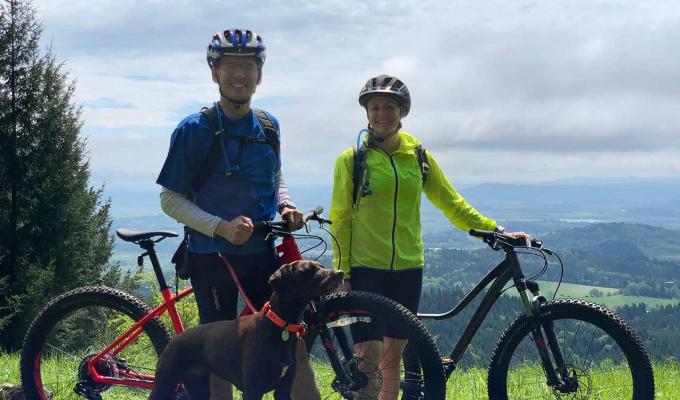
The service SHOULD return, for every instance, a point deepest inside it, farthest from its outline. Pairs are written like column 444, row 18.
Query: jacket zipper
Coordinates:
column 394, row 221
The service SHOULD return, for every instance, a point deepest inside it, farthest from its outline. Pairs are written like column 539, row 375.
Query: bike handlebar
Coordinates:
column 282, row 226
column 492, row 238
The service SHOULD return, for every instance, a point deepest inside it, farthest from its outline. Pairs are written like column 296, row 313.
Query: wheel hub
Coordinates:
column 578, row 381
column 86, row 386
column 364, row 385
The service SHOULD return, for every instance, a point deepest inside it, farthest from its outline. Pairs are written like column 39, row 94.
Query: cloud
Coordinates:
column 576, row 87
column 107, row 102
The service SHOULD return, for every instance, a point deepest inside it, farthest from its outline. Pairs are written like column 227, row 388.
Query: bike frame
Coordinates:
column 289, row 252
column 169, row 300
column 497, row 278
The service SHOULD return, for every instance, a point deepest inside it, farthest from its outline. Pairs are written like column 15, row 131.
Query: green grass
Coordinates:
column 471, row 383
column 611, row 296
column 468, row 384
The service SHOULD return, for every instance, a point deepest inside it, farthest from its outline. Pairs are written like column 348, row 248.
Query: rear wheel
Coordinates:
column 603, row 357
column 352, row 375
column 75, row 327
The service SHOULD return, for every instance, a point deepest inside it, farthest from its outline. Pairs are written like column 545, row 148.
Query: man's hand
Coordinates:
column 237, row 231
column 294, row 217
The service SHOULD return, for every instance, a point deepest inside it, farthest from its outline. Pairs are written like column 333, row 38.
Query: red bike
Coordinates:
column 100, row 342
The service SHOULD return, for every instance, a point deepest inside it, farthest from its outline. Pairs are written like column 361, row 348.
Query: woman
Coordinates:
column 376, row 218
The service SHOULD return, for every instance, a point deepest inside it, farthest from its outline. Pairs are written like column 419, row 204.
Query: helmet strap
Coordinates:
column 372, row 137
column 237, row 103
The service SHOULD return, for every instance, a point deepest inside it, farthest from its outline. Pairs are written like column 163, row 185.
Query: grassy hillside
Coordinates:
column 463, row 385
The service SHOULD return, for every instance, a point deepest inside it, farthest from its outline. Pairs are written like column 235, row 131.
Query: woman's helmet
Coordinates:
column 386, row 85
column 236, row 42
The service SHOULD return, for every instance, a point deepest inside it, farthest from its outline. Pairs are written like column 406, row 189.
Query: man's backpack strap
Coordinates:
column 214, row 153
column 269, row 128
column 422, row 162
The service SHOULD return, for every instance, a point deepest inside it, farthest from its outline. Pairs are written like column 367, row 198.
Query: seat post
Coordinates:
column 148, row 245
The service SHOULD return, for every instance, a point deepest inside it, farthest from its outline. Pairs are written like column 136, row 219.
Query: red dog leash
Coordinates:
column 250, row 309
column 288, row 252
column 300, row 330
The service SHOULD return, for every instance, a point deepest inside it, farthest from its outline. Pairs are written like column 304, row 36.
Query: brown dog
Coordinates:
column 253, row 352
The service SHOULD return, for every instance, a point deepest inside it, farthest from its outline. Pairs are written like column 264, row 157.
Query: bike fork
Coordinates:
column 332, row 353
column 543, row 334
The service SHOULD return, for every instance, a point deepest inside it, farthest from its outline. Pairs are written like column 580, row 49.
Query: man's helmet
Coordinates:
column 236, row 42
column 386, row 85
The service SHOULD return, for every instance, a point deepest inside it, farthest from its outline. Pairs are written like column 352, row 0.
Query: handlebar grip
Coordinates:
column 480, row 233
column 514, row 241
column 268, row 226
column 261, row 227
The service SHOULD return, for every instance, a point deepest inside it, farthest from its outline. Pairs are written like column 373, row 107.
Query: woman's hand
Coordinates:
column 520, row 234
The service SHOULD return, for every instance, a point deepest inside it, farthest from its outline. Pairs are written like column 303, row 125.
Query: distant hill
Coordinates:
column 642, row 258
column 624, row 239
column 648, row 201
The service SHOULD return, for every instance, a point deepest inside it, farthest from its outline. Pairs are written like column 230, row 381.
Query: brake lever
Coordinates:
column 276, row 233
column 493, row 243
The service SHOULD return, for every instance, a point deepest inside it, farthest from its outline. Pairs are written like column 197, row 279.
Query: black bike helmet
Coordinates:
column 387, row 85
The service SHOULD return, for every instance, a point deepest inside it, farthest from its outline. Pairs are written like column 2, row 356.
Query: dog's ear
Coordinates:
column 283, row 280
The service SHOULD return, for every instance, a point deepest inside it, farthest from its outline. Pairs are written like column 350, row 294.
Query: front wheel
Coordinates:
column 603, row 358
column 335, row 356
column 75, row 327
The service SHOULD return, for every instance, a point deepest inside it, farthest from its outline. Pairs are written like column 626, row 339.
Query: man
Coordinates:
column 245, row 184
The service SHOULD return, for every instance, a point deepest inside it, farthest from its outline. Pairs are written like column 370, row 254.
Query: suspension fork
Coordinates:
column 327, row 340
column 549, row 329
column 541, row 332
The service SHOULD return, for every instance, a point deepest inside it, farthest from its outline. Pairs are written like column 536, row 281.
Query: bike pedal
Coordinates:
column 82, row 389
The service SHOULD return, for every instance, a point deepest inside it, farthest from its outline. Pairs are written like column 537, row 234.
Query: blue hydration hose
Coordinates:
column 230, row 168
column 363, row 191
column 361, row 132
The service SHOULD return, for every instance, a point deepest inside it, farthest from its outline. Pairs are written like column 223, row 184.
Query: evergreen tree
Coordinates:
column 54, row 227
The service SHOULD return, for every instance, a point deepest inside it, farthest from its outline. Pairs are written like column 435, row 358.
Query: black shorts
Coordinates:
column 404, row 287
column 215, row 291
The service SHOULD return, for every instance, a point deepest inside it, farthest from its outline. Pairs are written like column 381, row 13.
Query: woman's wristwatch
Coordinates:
column 499, row 229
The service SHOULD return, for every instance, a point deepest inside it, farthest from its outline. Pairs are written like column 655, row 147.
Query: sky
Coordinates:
column 502, row 90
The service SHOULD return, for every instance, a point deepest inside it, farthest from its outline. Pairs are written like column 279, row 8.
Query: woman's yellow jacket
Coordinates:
column 385, row 232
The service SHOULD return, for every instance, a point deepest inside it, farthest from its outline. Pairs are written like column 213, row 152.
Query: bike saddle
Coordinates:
column 133, row 235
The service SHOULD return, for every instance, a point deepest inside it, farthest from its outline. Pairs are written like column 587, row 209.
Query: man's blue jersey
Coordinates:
column 242, row 183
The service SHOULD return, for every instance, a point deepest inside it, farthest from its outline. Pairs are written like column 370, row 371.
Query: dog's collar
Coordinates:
column 300, row 330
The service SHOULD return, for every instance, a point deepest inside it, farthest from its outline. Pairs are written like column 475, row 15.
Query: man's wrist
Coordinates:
column 286, row 204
